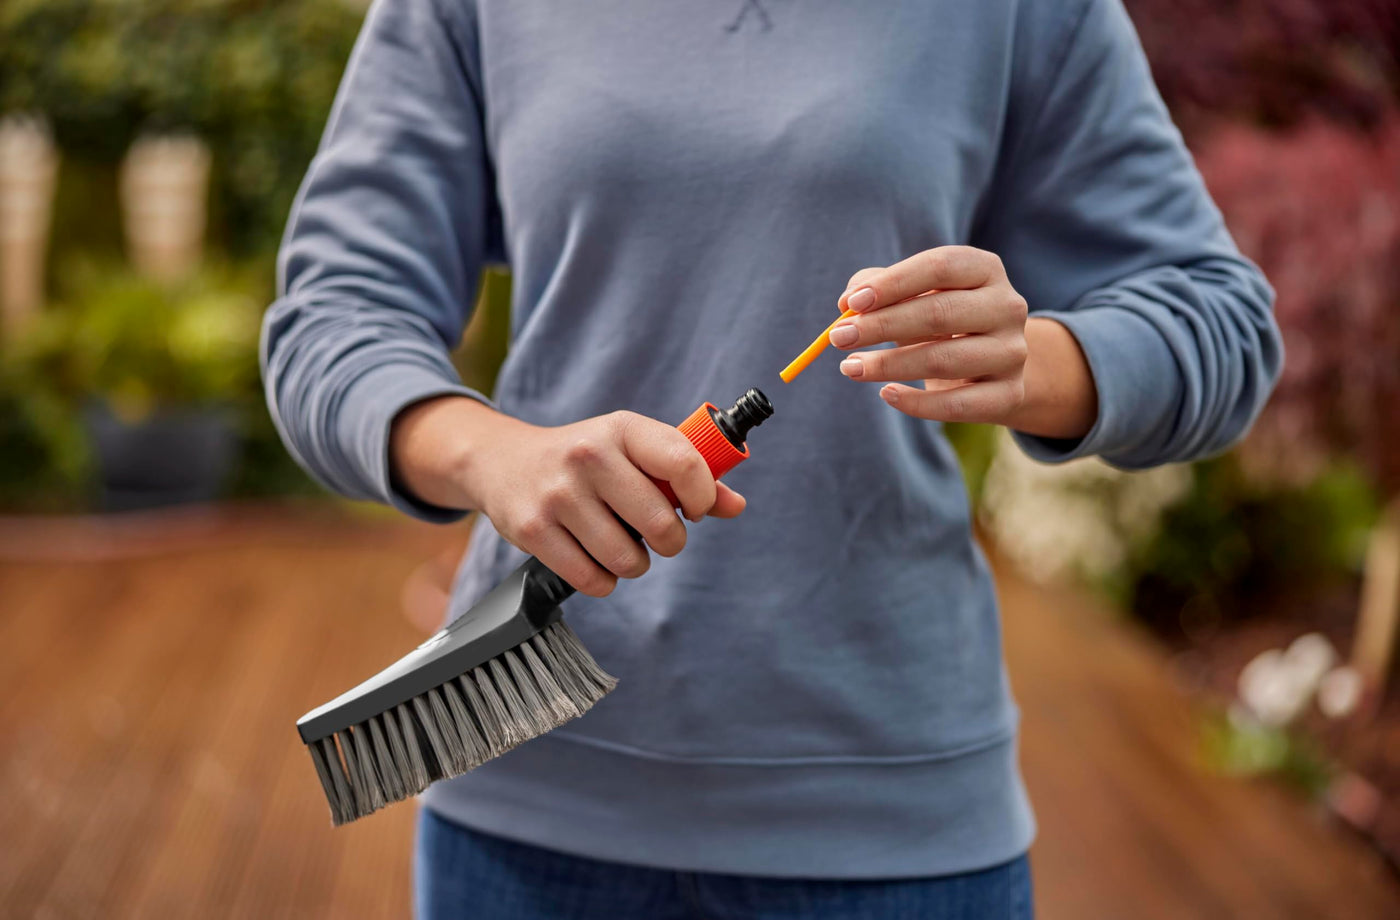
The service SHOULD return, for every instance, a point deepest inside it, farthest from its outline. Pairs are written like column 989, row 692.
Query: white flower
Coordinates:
column 1339, row 693
column 1079, row 517
column 1309, row 657
column 1272, row 689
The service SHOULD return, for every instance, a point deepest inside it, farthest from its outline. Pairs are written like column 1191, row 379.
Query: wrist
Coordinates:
column 1061, row 400
column 436, row 447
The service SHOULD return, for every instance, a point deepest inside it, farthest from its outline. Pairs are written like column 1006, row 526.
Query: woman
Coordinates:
column 813, row 718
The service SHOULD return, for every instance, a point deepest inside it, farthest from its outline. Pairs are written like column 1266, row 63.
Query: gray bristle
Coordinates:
column 440, row 762
column 385, row 767
column 358, row 795
column 519, row 727
column 495, row 710
column 408, row 776
column 560, row 707
column 538, row 713
column 573, row 655
column 492, row 734
column 447, row 730
column 417, row 767
column 366, row 758
column 475, row 749
column 324, row 771
column 454, row 728
column 569, row 681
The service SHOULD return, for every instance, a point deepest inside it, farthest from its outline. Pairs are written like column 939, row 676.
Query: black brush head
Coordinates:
column 516, row 609
column 458, row 725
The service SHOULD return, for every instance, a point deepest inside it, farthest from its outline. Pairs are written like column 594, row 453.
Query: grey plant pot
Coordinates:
column 176, row 455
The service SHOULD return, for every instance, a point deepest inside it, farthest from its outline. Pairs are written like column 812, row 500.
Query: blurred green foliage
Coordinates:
column 483, row 348
column 1244, row 747
column 976, row 447
column 135, row 345
column 254, row 78
column 1237, row 545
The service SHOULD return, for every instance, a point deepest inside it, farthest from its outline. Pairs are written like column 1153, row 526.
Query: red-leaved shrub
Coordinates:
column 1318, row 208
column 1273, row 62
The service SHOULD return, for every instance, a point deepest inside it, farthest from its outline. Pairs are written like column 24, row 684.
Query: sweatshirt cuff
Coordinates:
column 366, row 415
column 1137, row 380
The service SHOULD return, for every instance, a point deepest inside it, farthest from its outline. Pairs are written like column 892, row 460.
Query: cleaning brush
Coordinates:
column 508, row 670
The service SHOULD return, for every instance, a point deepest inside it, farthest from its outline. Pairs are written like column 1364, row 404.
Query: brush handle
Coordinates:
column 543, row 590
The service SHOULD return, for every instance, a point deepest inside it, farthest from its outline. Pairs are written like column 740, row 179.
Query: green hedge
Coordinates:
column 255, row 78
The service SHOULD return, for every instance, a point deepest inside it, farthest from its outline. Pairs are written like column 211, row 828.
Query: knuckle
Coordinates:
column 861, row 275
column 938, row 312
column 621, row 420
column 685, row 459
column 628, row 562
column 1016, row 393
column 974, row 262
column 956, row 407
column 873, row 327
column 928, row 265
column 665, row 532
column 1017, row 350
column 1020, row 309
column 936, row 362
column 533, row 527
column 695, row 465
column 595, row 583
column 585, row 451
column 556, row 498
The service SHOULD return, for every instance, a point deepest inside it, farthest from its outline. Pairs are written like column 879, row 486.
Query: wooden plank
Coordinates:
column 202, row 802
column 1105, row 728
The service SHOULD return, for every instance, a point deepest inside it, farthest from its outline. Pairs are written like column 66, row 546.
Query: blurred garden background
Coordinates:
column 149, row 153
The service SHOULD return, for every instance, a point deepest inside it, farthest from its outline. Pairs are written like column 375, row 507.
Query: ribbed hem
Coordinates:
column 891, row 820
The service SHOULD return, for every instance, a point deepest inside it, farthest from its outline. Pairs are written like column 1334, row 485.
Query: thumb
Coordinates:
column 728, row 503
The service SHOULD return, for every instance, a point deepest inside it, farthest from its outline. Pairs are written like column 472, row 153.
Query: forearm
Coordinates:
column 1061, row 400
column 435, row 445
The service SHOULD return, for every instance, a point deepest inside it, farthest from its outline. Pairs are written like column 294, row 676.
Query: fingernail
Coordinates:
column 844, row 335
column 890, row 395
column 853, row 367
column 862, row 299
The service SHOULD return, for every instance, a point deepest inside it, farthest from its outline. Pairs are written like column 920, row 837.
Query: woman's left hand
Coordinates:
column 960, row 327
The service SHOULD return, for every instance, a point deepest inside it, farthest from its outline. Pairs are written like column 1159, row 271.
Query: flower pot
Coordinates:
column 174, row 455
column 164, row 187
column 28, row 177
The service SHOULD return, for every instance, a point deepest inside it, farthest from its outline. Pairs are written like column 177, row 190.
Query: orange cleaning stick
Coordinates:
column 799, row 364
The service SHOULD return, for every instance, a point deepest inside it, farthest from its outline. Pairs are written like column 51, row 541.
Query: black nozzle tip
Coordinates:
column 754, row 406
column 747, row 413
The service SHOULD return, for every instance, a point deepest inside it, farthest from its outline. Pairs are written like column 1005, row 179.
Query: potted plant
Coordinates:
column 156, row 373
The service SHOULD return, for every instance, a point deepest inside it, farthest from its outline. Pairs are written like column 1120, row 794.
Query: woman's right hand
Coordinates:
column 557, row 493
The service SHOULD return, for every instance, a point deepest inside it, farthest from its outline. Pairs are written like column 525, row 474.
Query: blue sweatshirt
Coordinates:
column 681, row 191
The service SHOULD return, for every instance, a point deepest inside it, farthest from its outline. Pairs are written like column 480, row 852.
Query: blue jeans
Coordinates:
column 460, row 874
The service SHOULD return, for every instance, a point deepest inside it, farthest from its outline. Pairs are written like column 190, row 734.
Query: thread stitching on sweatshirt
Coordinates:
column 765, row 22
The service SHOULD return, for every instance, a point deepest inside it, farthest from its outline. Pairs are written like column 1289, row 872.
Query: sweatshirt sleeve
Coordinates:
column 379, row 265
column 1105, row 226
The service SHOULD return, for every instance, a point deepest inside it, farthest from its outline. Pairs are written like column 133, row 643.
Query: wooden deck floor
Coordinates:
column 150, row 676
